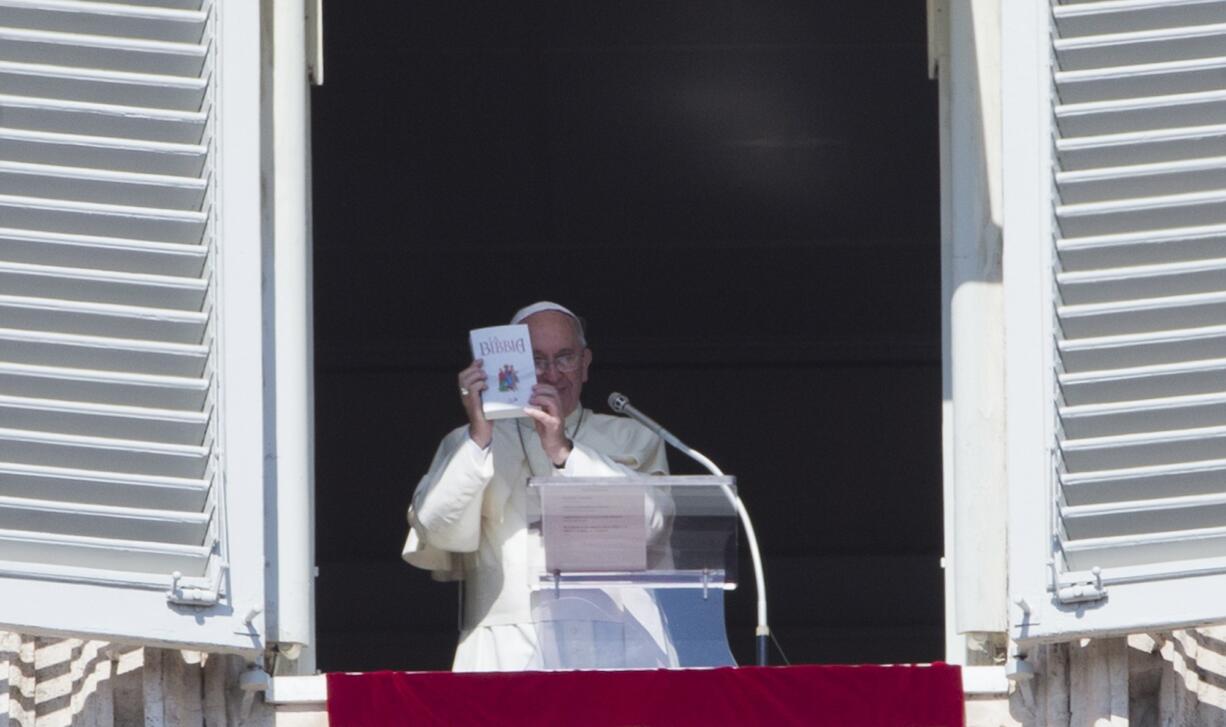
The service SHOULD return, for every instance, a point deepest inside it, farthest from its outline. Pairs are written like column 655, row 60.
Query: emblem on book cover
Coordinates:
column 508, row 379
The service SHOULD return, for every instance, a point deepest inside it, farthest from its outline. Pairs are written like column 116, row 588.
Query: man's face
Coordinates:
column 554, row 334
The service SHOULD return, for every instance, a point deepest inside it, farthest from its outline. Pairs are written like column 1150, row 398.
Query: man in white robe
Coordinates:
column 468, row 518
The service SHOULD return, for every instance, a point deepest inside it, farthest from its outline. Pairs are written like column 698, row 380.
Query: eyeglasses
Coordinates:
column 564, row 362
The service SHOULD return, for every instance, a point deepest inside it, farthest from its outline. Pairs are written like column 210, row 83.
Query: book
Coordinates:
column 506, row 357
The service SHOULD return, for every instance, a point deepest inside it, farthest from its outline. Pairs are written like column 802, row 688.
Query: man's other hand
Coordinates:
column 545, row 408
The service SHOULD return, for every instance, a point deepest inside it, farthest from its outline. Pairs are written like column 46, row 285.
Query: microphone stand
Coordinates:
column 621, row 404
column 762, row 632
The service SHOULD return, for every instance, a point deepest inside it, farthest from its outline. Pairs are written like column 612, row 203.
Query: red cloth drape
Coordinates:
column 837, row 696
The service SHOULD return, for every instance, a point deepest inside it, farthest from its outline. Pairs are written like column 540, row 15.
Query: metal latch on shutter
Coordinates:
column 1080, row 588
column 192, row 595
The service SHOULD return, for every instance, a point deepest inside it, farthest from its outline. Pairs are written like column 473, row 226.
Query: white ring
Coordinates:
column 463, row 391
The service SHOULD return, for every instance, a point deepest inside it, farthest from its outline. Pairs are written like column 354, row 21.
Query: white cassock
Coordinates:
column 468, row 521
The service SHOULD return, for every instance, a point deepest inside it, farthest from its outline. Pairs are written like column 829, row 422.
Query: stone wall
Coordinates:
column 54, row 682
column 1172, row 679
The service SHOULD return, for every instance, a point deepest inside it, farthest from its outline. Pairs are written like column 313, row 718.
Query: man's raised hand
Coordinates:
column 472, row 381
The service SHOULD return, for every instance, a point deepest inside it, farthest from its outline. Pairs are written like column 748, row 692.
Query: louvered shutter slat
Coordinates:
column 114, row 153
column 1143, row 281
column 1141, row 80
column 91, row 419
column 101, row 253
column 102, row 86
column 1156, row 212
column 1172, row 515
column 65, row 484
column 103, row 319
column 1169, row 413
column 1105, row 36
column 1157, row 549
column 118, row 287
column 1128, row 16
column 193, row 5
column 1101, row 118
column 105, row 120
column 102, row 521
column 1136, row 483
column 1160, row 179
column 101, row 52
column 1142, row 147
column 104, row 387
column 83, row 184
column 105, row 454
column 1143, row 448
column 104, row 353
column 1150, row 247
column 1144, row 315
column 32, row 548
column 141, row 223
column 122, row 20
column 1143, row 349
column 1112, row 385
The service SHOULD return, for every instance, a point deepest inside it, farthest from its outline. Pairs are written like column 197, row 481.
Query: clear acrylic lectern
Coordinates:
column 629, row 572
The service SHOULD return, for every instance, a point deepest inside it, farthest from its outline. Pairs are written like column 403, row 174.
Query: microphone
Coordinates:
column 620, row 403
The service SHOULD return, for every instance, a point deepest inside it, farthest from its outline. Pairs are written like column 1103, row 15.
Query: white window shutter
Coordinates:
column 131, row 409
column 1115, row 229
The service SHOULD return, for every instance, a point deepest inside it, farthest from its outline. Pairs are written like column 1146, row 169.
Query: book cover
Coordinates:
column 506, row 357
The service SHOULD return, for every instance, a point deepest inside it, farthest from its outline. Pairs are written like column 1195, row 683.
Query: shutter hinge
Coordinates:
column 1081, row 589
column 195, row 596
